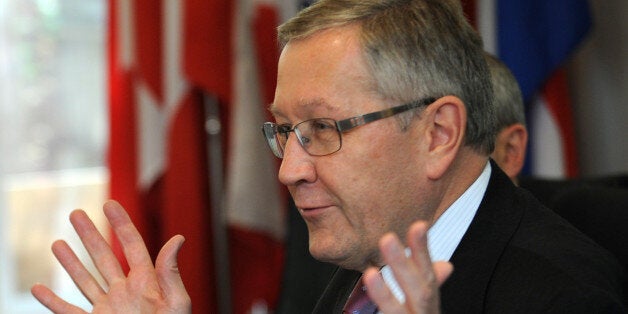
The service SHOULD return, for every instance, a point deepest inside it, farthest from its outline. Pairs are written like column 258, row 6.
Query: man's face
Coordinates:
column 350, row 198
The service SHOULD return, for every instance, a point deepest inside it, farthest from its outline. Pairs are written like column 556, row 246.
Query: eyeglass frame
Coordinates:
column 342, row 126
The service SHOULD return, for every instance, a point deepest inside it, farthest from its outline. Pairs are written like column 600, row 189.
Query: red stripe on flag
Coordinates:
column 186, row 202
column 256, row 267
column 147, row 19
column 556, row 94
column 207, row 54
column 122, row 146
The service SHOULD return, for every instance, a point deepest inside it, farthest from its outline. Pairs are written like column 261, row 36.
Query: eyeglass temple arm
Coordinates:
column 348, row 124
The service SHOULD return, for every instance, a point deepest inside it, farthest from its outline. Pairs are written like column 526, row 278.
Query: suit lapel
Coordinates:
column 479, row 251
column 337, row 292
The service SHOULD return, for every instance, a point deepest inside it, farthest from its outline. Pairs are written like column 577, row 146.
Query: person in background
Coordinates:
column 384, row 122
column 512, row 134
column 594, row 205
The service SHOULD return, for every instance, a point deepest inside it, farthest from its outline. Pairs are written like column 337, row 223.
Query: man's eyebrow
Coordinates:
column 307, row 108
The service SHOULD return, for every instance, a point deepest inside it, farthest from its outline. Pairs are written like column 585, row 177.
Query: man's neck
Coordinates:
column 463, row 172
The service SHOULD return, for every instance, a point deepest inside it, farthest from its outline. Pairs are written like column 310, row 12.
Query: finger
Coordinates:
column 83, row 279
column 379, row 293
column 168, row 273
column 53, row 302
column 417, row 241
column 399, row 266
column 428, row 293
column 97, row 247
column 442, row 270
column 130, row 239
column 414, row 274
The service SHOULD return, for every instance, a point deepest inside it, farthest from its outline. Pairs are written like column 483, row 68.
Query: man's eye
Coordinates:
column 322, row 125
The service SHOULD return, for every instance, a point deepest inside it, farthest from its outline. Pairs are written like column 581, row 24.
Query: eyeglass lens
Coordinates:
column 317, row 136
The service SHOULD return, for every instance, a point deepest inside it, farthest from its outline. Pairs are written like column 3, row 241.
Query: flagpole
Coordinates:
column 213, row 129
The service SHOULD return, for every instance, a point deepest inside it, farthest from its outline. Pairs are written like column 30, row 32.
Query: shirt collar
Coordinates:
column 447, row 232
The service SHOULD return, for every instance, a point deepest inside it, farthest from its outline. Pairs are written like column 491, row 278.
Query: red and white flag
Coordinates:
column 254, row 201
column 166, row 58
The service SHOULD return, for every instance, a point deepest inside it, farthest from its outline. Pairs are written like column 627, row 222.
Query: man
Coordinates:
column 343, row 60
column 512, row 135
column 305, row 278
column 385, row 124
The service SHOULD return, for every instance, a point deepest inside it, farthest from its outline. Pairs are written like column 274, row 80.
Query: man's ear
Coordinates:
column 446, row 121
column 510, row 149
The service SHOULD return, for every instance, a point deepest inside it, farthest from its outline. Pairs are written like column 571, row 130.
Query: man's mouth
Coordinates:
column 310, row 211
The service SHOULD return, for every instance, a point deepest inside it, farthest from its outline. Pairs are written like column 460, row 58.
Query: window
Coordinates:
column 53, row 134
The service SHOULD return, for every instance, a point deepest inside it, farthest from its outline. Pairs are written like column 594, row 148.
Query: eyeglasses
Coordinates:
column 322, row 136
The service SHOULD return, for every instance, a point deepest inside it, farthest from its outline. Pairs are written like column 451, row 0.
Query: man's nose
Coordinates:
column 297, row 165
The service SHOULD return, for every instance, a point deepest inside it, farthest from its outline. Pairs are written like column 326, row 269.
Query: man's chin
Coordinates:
column 327, row 253
column 339, row 258
column 323, row 254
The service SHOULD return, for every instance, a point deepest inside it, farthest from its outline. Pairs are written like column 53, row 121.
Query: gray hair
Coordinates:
column 507, row 96
column 413, row 49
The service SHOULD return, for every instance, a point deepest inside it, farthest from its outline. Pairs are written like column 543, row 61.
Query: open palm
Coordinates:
column 145, row 289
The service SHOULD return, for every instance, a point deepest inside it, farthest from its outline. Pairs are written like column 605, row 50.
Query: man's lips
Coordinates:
column 312, row 210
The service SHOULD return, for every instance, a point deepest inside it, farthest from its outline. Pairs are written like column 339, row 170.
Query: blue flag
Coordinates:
column 536, row 36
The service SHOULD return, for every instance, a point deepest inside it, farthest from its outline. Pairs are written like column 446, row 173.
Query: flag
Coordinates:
column 157, row 151
column 168, row 59
column 255, row 202
column 535, row 38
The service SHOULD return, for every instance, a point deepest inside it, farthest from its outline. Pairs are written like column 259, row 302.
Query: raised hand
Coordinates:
column 146, row 288
column 417, row 276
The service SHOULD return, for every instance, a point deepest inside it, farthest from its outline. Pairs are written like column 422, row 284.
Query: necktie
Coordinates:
column 359, row 302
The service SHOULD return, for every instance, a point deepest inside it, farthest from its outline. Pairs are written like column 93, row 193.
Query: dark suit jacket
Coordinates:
column 516, row 257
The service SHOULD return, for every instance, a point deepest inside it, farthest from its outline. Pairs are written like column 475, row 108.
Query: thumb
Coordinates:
column 168, row 274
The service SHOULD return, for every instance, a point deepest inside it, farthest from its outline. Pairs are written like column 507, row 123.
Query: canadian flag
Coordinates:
column 170, row 60
column 535, row 38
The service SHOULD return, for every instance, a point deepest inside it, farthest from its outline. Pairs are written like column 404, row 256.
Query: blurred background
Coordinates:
column 158, row 104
